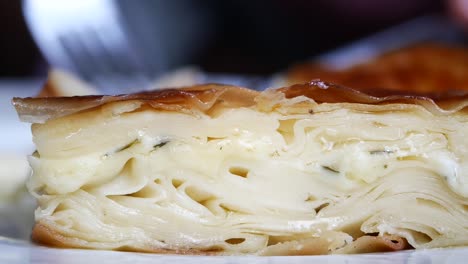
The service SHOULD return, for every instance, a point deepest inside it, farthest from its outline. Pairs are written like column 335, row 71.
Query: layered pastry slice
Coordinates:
column 308, row 169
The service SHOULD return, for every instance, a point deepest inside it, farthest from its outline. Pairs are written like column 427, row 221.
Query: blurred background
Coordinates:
column 242, row 36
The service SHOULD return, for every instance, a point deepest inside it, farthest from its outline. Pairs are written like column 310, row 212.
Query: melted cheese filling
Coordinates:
column 245, row 180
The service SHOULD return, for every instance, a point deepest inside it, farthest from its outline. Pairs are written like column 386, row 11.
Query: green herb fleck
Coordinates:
column 160, row 144
column 108, row 154
column 330, row 169
column 381, row 151
column 36, row 154
column 126, row 146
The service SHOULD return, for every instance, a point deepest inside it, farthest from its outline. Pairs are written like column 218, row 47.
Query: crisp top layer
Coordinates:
column 211, row 99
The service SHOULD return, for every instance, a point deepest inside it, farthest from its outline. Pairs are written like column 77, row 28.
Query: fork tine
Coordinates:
column 85, row 56
column 116, row 54
column 104, row 69
column 95, row 52
column 125, row 58
column 115, row 48
column 90, row 39
column 75, row 51
column 110, row 71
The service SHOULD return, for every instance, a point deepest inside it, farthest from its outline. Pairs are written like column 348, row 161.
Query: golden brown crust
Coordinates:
column 210, row 98
column 200, row 98
column 44, row 235
column 421, row 69
column 323, row 92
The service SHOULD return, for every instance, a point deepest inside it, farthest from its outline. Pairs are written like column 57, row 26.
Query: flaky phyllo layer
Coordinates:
column 279, row 174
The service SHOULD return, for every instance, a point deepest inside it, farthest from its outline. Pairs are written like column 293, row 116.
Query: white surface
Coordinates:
column 15, row 137
column 15, row 140
column 20, row 252
column 16, row 207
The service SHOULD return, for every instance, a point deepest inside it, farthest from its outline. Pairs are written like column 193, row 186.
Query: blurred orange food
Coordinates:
column 424, row 68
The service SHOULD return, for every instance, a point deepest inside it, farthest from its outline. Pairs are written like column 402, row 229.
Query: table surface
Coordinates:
column 23, row 252
column 15, row 137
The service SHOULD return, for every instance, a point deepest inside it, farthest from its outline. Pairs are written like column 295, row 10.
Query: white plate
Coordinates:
column 16, row 219
column 21, row 252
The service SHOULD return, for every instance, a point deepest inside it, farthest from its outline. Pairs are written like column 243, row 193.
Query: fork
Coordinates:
column 108, row 64
column 89, row 39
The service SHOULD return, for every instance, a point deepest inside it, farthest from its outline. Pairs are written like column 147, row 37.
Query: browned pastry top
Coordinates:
column 210, row 98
